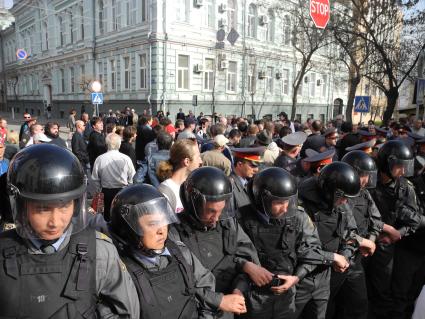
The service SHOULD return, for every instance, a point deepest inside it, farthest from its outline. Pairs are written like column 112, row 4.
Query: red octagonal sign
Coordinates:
column 320, row 12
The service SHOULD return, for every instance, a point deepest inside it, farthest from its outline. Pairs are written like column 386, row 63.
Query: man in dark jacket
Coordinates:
column 52, row 131
column 97, row 145
column 79, row 146
column 144, row 136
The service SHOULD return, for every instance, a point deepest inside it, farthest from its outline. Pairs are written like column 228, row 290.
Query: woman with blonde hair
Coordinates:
column 184, row 158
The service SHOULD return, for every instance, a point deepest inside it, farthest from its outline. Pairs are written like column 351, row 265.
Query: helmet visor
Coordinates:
column 372, row 178
column 279, row 207
column 145, row 217
column 210, row 209
column 399, row 167
column 49, row 220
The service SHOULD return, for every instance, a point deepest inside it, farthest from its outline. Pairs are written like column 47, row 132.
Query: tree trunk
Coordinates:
column 354, row 82
column 294, row 102
column 392, row 96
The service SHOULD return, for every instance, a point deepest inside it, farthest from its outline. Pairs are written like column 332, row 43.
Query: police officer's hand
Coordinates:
column 233, row 303
column 340, row 263
column 384, row 239
column 367, row 247
column 391, row 233
column 289, row 281
column 259, row 275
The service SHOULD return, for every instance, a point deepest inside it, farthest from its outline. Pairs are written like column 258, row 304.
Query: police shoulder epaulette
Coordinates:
column 104, row 237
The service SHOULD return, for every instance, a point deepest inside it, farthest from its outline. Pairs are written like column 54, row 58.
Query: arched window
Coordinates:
column 270, row 26
column 286, row 30
column 252, row 20
column 232, row 14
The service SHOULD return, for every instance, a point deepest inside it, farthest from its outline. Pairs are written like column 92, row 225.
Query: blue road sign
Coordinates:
column 362, row 104
column 97, row 98
column 21, row 54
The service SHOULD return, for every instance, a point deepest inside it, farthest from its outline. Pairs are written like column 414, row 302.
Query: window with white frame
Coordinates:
column 232, row 15
column 270, row 26
column 132, row 12
column 100, row 73
column 82, row 74
column 232, row 76
column 183, row 72
column 208, row 14
column 144, row 10
column 81, row 23
column 113, row 74
column 286, row 30
column 62, row 80
column 143, row 71
column 116, row 14
column 252, row 20
column 72, row 79
column 313, row 84
column 301, row 87
column 61, row 31
column 251, row 78
column 126, row 73
column 101, row 17
column 45, row 36
column 182, row 10
column 285, row 81
column 209, row 74
column 71, row 21
column 324, row 85
column 269, row 80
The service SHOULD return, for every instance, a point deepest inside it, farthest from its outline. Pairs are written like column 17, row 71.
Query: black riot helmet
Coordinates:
column 363, row 164
column 46, row 175
column 206, row 185
column 273, row 184
column 338, row 180
column 393, row 154
column 129, row 208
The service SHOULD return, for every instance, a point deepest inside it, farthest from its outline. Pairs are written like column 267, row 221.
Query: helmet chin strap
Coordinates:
column 150, row 252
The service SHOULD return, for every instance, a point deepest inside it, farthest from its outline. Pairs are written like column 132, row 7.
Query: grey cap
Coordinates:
column 294, row 139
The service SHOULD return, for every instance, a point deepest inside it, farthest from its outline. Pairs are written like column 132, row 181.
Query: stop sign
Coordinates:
column 320, row 12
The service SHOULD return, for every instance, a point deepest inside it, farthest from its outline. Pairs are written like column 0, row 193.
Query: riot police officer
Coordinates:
column 324, row 198
column 350, row 295
column 209, row 229
column 389, row 271
column 52, row 265
column 285, row 238
column 170, row 280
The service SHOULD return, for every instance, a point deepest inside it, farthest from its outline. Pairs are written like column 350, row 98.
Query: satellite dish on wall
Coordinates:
column 8, row 4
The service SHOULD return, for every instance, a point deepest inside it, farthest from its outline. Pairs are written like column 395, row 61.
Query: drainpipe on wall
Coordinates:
column 3, row 68
column 164, row 56
column 150, row 57
column 94, row 38
column 244, row 66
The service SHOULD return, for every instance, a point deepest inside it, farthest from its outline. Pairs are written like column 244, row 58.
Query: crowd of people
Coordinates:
column 138, row 216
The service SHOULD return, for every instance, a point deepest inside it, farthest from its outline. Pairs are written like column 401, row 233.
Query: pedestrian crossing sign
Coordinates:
column 97, row 98
column 362, row 104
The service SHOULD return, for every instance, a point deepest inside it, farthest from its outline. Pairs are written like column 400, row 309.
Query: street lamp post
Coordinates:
column 96, row 87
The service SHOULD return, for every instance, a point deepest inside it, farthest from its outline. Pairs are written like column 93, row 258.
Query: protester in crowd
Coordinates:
column 79, row 146
column 215, row 157
column 164, row 142
column 184, row 158
column 52, row 131
column 96, row 144
column 112, row 171
column 127, row 148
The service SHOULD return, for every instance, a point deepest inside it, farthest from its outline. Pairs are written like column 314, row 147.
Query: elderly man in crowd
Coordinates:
column 112, row 171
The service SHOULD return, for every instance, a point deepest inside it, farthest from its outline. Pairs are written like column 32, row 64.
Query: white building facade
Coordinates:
column 161, row 54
